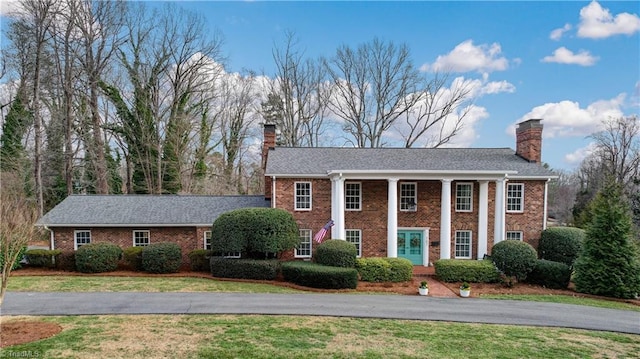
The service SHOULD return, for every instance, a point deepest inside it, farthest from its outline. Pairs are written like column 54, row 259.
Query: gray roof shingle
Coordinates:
column 144, row 210
column 291, row 161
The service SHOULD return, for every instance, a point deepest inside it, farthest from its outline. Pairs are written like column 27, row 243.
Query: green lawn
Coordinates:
column 253, row 336
column 550, row 298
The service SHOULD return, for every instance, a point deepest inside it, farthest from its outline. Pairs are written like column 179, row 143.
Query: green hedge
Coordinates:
column 550, row 274
column 561, row 244
column 66, row 261
column 257, row 232
column 514, row 258
column 163, row 257
column 244, row 268
column 199, row 260
column 98, row 257
column 133, row 257
column 319, row 276
column 16, row 264
column 384, row 269
column 336, row 253
column 465, row 270
column 42, row 257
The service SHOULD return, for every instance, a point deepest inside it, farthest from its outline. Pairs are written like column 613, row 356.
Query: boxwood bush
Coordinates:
column 98, row 257
column 561, row 244
column 465, row 270
column 514, row 258
column 163, row 257
column 384, row 269
column 199, row 260
column 66, row 261
column 550, row 274
column 336, row 253
column 133, row 257
column 244, row 268
column 42, row 257
column 319, row 276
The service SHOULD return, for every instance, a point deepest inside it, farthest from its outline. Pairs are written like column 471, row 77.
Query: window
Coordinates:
column 303, row 196
column 140, row 238
column 82, row 237
column 408, row 198
column 463, row 244
column 207, row 240
column 304, row 248
column 355, row 236
column 514, row 235
column 464, row 197
column 352, row 196
column 515, row 197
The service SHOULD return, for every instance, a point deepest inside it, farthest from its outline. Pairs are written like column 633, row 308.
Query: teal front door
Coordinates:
column 410, row 245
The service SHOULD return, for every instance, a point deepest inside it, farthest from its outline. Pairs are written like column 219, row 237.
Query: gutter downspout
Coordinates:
column 51, row 238
column 544, row 211
column 273, row 192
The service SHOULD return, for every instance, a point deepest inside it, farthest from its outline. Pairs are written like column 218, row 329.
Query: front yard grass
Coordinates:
column 255, row 336
column 565, row 299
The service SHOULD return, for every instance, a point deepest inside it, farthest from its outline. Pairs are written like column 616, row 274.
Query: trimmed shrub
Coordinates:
column 514, row 258
column 98, row 257
column 42, row 257
column 384, row 269
column 336, row 253
column 133, row 257
column 464, row 270
column 66, row 261
column 256, row 232
column 199, row 260
column 319, row 276
column 244, row 268
column 561, row 244
column 550, row 274
column 164, row 257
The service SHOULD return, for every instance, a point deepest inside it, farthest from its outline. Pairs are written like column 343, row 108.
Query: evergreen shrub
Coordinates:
column 98, row 257
column 244, row 268
column 514, row 258
column 199, row 260
column 163, row 257
column 319, row 276
column 336, row 253
column 42, row 257
column 465, row 270
column 561, row 244
column 133, row 257
column 554, row 275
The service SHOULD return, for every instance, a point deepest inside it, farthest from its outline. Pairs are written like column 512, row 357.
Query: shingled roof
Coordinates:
column 144, row 210
column 298, row 161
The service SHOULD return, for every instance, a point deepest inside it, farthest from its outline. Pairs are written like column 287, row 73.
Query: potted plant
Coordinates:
column 465, row 289
column 424, row 288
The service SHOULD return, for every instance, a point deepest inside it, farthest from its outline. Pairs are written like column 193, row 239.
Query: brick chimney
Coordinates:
column 268, row 142
column 529, row 140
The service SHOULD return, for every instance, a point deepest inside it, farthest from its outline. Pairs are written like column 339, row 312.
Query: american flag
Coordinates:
column 323, row 232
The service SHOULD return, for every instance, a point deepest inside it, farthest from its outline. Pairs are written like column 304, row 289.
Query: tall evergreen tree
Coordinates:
column 609, row 264
column 15, row 125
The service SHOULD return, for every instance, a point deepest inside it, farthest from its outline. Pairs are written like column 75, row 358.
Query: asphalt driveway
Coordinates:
column 470, row 310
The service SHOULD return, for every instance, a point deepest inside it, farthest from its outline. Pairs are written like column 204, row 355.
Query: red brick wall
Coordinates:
column 189, row 238
column 372, row 219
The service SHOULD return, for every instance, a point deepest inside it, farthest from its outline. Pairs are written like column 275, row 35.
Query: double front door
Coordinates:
column 411, row 245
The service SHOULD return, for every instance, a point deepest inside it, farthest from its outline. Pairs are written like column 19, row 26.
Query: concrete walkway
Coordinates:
column 471, row 310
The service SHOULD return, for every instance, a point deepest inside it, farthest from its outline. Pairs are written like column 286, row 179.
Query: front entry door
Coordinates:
column 410, row 245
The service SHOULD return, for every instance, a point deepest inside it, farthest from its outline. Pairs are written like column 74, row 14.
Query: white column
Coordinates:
column 392, row 218
column 483, row 218
column 445, row 220
column 337, row 208
column 498, row 228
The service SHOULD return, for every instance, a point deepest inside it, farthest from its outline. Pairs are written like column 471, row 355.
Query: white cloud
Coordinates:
column 467, row 57
column 576, row 157
column 568, row 119
column 598, row 23
column 558, row 33
column 562, row 55
column 9, row 7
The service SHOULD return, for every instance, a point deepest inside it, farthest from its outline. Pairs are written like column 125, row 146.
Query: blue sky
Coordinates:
column 571, row 63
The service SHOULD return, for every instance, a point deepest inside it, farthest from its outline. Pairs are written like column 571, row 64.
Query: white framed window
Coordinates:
column 515, row 197
column 408, row 196
column 304, row 248
column 207, row 240
column 303, row 196
column 81, row 237
column 352, row 196
column 355, row 236
column 141, row 238
column 463, row 244
column 464, row 197
column 514, row 235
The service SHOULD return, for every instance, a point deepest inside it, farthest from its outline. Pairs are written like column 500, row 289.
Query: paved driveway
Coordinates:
column 470, row 310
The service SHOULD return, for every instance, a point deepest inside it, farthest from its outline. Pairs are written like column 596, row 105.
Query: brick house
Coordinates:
column 138, row 220
column 416, row 203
